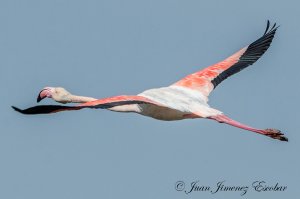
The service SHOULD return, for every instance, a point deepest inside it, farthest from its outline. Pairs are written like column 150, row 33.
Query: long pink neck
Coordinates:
column 80, row 99
column 123, row 108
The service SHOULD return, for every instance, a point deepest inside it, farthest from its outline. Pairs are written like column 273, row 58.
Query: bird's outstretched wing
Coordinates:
column 207, row 79
column 97, row 104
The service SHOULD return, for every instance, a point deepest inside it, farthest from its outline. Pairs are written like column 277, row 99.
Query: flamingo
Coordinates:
column 185, row 99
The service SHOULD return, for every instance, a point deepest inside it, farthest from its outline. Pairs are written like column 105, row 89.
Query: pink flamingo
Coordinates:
column 185, row 99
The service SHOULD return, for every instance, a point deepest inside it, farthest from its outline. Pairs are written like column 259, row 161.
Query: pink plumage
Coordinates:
column 185, row 99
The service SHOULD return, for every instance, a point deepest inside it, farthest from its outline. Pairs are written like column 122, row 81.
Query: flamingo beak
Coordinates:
column 43, row 94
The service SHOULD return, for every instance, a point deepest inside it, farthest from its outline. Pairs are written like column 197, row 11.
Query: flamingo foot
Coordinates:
column 275, row 134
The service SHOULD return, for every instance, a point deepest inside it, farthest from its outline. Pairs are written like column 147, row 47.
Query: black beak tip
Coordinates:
column 38, row 99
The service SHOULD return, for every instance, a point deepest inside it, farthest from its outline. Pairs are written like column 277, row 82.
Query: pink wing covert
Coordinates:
column 207, row 79
column 96, row 104
column 201, row 80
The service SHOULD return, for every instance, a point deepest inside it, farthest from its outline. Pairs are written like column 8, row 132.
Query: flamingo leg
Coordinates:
column 273, row 133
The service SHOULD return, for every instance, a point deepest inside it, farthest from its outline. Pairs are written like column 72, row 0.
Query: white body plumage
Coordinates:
column 179, row 103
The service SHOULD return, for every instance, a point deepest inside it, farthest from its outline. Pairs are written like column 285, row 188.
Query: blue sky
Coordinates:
column 107, row 48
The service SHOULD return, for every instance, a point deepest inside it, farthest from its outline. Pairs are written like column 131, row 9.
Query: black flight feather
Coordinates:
column 253, row 52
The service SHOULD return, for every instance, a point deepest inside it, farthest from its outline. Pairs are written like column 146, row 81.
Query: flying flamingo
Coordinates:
column 185, row 99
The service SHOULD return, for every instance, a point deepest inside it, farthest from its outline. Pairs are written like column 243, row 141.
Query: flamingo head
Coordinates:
column 58, row 94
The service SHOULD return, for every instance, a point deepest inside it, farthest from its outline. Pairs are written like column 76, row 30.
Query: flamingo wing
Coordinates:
column 97, row 104
column 207, row 79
